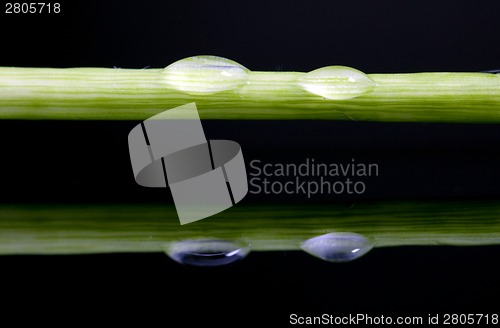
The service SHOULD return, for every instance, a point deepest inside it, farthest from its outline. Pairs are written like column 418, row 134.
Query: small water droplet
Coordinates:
column 338, row 246
column 205, row 75
column 337, row 82
column 206, row 252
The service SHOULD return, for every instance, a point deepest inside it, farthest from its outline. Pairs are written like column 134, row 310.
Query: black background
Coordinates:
column 88, row 161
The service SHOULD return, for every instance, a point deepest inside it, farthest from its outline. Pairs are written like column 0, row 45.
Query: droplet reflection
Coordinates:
column 206, row 252
column 338, row 246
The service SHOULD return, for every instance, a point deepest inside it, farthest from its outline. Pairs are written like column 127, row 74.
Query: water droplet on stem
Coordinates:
column 337, row 82
column 205, row 75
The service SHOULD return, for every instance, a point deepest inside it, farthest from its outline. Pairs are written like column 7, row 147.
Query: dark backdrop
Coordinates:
column 417, row 161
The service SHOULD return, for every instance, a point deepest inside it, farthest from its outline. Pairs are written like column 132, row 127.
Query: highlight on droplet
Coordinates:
column 207, row 252
column 205, row 75
column 338, row 246
column 337, row 82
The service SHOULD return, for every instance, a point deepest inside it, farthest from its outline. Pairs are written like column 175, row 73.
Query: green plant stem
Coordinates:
column 123, row 94
column 72, row 229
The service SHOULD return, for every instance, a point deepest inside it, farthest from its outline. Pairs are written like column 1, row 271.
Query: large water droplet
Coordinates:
column 205, row 75
column 206, row 252
column 338, row 246
column 337, row 82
